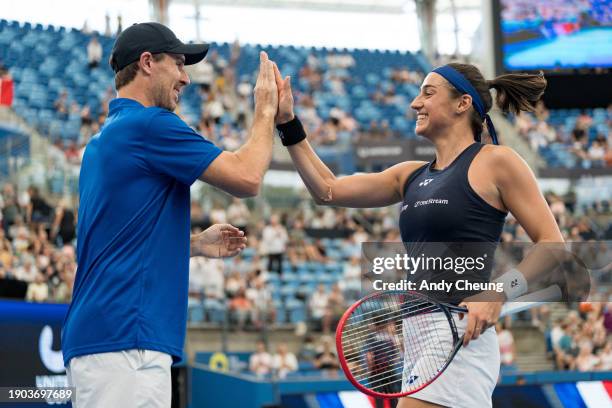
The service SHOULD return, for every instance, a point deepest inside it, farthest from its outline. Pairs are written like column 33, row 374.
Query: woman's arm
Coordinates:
column 520, row 194
column 358, row 190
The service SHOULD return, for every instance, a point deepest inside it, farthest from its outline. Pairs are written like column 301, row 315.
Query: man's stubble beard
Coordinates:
column 161, row 98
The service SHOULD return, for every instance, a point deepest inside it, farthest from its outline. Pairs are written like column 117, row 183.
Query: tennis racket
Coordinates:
column 392, row 344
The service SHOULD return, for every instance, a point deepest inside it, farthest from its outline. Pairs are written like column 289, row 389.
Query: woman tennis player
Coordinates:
column 463, row 195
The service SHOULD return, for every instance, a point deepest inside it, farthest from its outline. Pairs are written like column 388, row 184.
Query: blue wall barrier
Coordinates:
column 211, row 389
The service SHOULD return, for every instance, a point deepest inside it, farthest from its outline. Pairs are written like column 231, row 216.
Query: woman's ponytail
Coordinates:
column 518, row 92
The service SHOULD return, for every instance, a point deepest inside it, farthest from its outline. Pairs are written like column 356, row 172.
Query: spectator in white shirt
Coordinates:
column 38, row 291
column 351, row 278
column 260, row 362
column 274, row 239
column 263, row 310
column 605, row 357
column 28, row 271
column 284, row 361
column 206, row 275
column 506, row 344
column 201, row 74
column 586, row 361
column 318, row 305
column 239, row 214
column 94, row 52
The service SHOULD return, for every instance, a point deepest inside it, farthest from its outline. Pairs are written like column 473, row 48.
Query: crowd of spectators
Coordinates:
column 582, row 340
column 281, row 363
column 589, row 145
column 37, row 244
column 318, row 355
column 590, row 222
column 37, row 247
column 226, row 108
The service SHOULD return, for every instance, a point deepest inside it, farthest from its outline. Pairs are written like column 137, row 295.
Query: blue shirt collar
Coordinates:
column 120, row 103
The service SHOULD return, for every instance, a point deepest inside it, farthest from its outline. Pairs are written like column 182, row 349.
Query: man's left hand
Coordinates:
column 220, row 241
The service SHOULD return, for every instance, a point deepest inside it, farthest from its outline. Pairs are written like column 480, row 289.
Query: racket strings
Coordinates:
column 356, row 323
column 396, row 343
column 355, row 333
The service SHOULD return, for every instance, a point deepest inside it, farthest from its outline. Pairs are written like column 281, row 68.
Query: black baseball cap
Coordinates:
column 154, row 38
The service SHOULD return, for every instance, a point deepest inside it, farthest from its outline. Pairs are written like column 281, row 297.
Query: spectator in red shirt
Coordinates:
column 6, row 87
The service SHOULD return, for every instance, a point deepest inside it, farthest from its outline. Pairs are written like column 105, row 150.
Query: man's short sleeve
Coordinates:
column 176, row 150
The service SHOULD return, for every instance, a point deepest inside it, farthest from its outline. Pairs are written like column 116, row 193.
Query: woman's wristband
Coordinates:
column 291, row 132
column 513, row 283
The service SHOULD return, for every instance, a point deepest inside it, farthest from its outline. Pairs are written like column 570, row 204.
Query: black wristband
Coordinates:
column 291, row 132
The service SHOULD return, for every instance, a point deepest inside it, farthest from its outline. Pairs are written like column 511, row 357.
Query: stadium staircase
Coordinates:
column 531, row 354
column 25, row 174
column 531, row 350
column 510, row 137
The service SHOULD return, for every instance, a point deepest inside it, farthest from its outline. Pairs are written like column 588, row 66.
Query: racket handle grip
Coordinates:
column 537, row 298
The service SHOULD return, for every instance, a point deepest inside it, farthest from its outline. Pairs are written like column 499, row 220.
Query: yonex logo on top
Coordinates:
column 425, row 182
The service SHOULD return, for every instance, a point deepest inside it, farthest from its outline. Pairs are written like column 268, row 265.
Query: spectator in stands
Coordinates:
column 315, row 251
column 541, row 135
column 585, row 361
column 239, row 213
column 565, row 351
column 605, row 357
column 598, row 151
column 10, row 206
column 260, row 362
column 38, row 290
column 94, row 52
column 201, row 74
column 61, row 104
column 263, row 310
column 507, row 350
column 318, row 308
column 63, row 292
column 27, row 272
column 284, row 361
column 580, row 143
column 20, row 235
column 207, row 274
column 6, row 87
column 351, row 278
column 556, row 333
column 607, row 317
column 327, row 360
column 6, row 254
column 336, row 306
column 107, row 27
column 274, row 240
column 233, row 284
column 63, row 229
column 119, row 24
column 240, row 308
column 308, row 350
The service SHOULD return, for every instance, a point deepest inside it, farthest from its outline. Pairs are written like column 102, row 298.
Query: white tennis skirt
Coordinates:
column 470, row 378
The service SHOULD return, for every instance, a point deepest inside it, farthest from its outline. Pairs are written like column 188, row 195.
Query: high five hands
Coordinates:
column 273, row 93
column 285, row 98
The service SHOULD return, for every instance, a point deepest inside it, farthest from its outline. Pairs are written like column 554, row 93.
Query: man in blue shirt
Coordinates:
column 127, row 319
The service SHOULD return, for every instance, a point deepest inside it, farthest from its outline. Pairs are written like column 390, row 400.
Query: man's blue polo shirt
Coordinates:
column 133, row 233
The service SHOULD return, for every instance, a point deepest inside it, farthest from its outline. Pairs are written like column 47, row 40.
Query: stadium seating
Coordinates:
column 45, row 61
